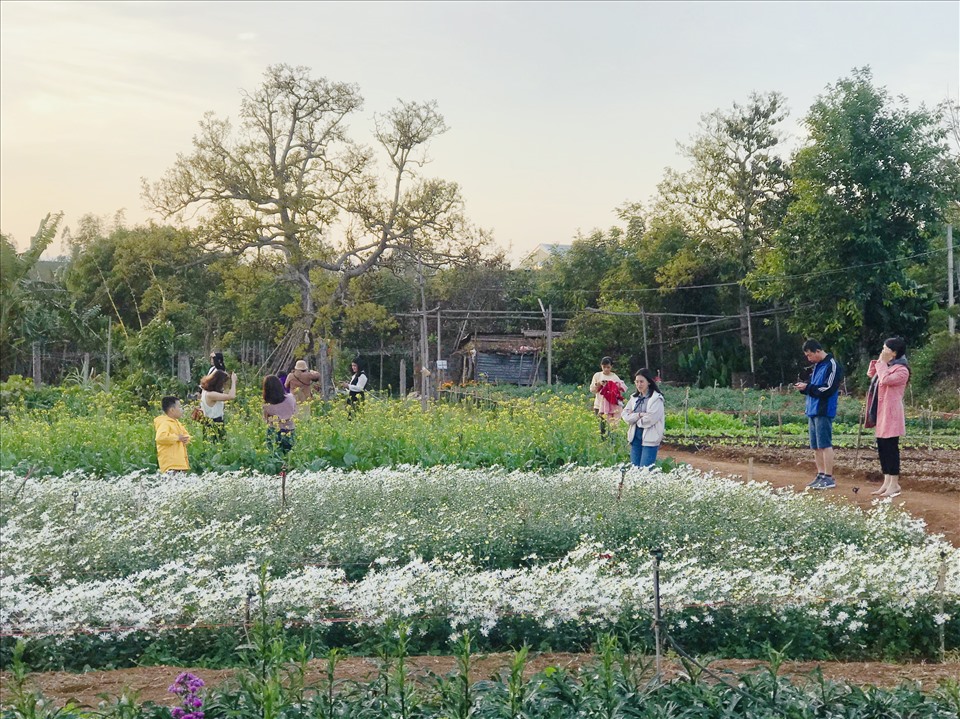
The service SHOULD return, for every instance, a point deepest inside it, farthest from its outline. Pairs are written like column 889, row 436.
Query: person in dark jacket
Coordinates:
column 822, row 392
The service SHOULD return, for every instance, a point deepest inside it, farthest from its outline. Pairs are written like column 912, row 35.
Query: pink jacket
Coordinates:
column 892, row 382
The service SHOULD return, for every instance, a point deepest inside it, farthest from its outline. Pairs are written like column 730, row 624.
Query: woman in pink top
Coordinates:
column 889, row 376
column 278, row 410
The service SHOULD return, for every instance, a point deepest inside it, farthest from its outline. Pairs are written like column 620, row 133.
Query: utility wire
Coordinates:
column 769, row 278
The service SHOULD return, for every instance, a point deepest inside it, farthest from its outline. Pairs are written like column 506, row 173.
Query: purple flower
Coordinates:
column 186, row 687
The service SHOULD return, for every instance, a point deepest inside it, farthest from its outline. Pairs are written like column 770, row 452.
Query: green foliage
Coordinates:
column 935, row 370
column 707, row 366
column 516, row 428
column 616, row 683
column 870, row 189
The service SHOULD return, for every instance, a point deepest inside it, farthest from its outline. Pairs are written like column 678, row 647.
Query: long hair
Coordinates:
column 648, row 375
column 216, row 359
column 214, row 381
column 272, row 390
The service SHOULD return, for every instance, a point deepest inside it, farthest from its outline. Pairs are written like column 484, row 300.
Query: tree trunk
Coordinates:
column 744, row 317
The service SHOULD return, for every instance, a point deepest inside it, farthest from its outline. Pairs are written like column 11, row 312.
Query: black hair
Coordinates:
column 216, row 358
column 358, row 363
column 606, row 360
column 272, row 390
column 648, row 375
column 812, row 346
column 167, row 402
column 896, row 345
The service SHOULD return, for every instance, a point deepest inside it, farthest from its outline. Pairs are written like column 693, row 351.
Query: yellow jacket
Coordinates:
column 171, row 452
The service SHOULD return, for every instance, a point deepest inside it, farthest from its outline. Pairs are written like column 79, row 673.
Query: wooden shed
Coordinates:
column 501, row 359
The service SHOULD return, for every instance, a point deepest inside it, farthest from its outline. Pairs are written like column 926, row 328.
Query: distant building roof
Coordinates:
column 543, row 252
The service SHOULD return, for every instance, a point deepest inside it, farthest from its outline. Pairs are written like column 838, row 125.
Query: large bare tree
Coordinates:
column 291, row 180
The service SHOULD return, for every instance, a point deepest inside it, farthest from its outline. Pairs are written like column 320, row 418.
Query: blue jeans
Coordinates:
column 821, row 432
column 641, row 456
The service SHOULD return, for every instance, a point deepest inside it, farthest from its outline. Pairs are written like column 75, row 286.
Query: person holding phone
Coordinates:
column 822, row 393
column 212, row 397
column 888, row 374
column 279, row 408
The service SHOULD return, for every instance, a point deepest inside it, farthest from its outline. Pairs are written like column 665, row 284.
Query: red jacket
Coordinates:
column 612, row 392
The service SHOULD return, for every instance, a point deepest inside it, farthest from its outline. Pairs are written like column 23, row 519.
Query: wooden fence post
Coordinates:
column 37, row 375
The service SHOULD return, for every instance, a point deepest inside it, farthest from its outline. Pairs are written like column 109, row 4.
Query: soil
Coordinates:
column 930, row 479
column 931, row 490
column 152, row 683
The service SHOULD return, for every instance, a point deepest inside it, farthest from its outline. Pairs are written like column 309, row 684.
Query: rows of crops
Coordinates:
column 546, row 431
column 492, row 521
column 512, row 556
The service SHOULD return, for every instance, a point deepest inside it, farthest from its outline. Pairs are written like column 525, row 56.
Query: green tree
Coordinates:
column 871, row 185
column 572, row 280
column 33, row 308
column 136, row 274
column 733, row 197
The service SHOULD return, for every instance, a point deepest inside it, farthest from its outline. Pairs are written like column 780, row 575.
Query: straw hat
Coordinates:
column 301, row 365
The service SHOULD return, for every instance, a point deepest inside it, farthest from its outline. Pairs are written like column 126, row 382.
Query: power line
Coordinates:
column 768, row 278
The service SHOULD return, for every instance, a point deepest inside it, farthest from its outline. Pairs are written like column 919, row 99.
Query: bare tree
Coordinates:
column 292, row 181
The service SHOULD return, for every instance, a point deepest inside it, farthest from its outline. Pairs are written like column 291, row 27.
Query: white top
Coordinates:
column 359, row 381
column 650, row 420
column 211, row 412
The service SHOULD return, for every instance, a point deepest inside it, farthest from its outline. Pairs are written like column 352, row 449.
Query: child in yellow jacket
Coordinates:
column 172, row 437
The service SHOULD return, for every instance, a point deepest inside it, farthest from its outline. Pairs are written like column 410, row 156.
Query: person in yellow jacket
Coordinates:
column 172, row 437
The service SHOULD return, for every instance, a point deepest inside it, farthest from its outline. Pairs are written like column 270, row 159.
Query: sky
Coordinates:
column 559, row 112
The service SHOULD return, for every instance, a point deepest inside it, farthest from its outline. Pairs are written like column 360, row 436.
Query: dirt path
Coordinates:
column 931, row 480
column 151, row 683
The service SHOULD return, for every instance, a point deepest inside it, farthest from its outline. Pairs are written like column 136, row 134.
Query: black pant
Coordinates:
column 213, row 429
column 889, row 450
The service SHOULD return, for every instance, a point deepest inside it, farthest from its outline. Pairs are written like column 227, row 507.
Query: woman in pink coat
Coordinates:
column 889, row 376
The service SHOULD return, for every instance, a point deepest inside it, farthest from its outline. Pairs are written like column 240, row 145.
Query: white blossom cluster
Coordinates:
column 143, row 552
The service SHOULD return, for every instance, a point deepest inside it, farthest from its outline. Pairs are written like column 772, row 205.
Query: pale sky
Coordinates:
column 558, row 111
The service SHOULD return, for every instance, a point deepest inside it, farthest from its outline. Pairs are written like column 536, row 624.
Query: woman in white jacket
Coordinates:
column 643, row 413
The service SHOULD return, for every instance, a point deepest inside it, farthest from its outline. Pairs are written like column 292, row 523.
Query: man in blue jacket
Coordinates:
column 822, row 393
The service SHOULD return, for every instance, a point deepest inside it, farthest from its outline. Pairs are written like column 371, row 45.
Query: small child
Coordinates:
column 172, row 437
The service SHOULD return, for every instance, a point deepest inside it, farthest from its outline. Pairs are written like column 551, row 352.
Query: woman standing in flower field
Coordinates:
column 278, row 410
column 889, row 375
column 609, row 390
column 356, row 385
column 644, row 416
column 212, row 398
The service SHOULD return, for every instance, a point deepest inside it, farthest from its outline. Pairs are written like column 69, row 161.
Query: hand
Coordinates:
column 886, row 354
column 185, row 438
column 801, row 386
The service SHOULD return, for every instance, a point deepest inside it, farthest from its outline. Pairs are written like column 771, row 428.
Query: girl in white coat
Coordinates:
column 644, row 415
